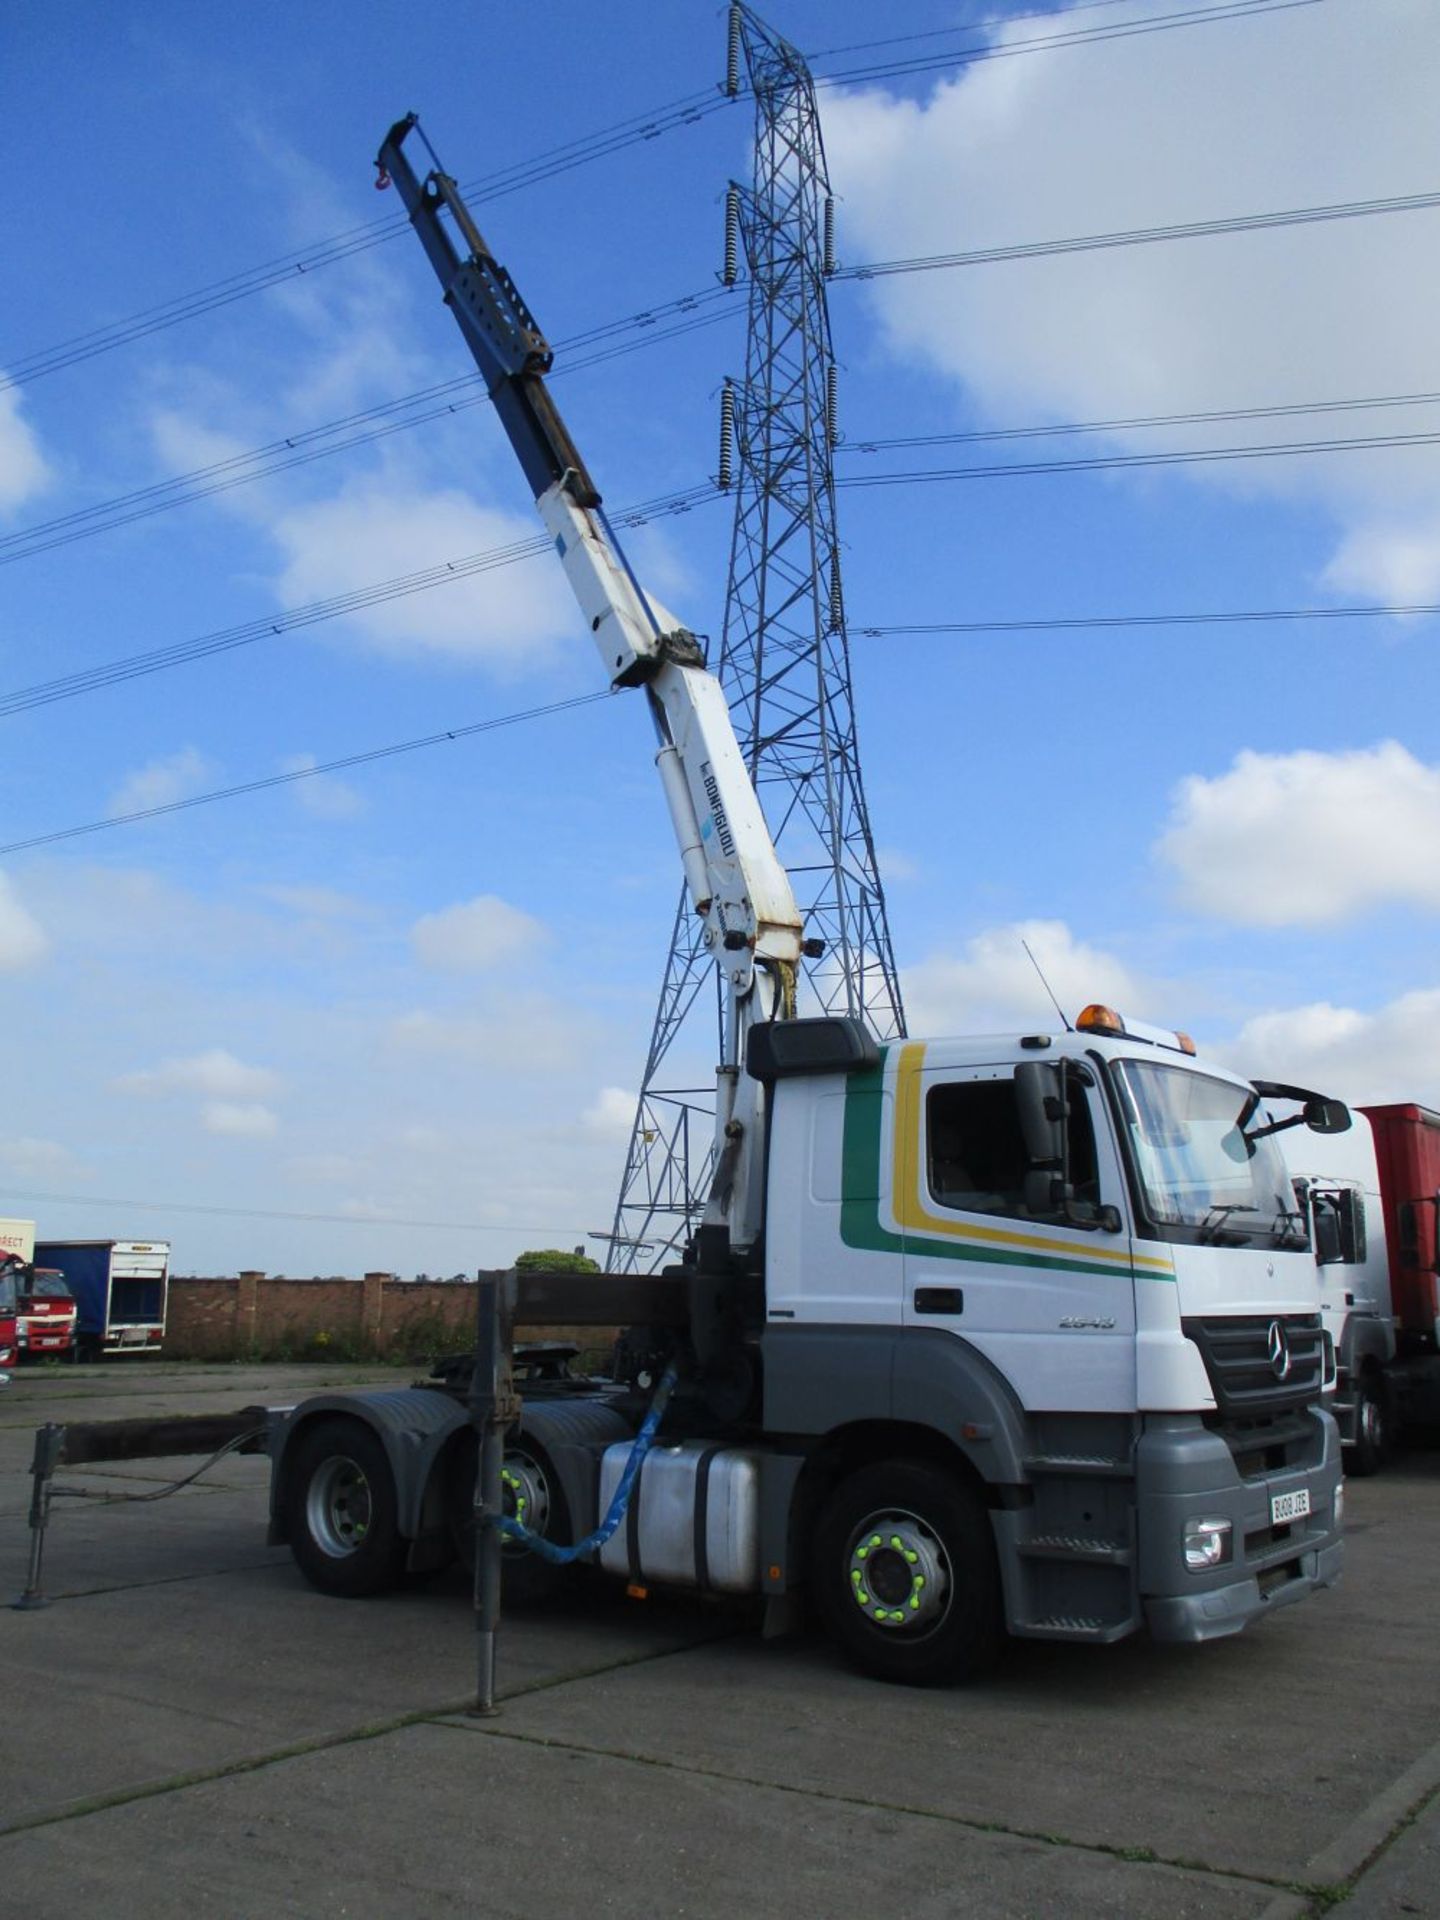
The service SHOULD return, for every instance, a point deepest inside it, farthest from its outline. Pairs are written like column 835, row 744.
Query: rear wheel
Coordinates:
column 533, row 1495
column 905, row 1574
column 1374, row 1426
column 340, row 1509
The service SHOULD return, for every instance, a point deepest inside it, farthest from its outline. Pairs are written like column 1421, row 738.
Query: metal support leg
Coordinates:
column 49, row 1441
column 492, row 1409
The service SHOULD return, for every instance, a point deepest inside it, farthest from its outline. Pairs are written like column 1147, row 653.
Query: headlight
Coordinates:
column 1207, row 1544
column 1340, row 1504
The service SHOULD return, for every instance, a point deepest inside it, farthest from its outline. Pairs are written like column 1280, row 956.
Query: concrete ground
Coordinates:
column 190, row 1730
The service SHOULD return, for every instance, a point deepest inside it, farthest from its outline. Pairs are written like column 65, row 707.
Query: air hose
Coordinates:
column 559, row 1556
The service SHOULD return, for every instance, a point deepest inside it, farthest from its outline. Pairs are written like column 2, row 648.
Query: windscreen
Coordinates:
column 1199, row 1165
column 49, row 1286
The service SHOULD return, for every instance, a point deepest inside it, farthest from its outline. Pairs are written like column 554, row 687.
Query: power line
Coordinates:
column 309, row 773
column 343, row 246
column 969, row 26
column 1289, row 410
column 634, row 131
column 276, row 1213
column 1116, row 462
column 363, row 428
column 1039, row 625
column 1098, row 621
column 1081, row 36
column 225, row 639
column 1145, row 236
column 376, row 423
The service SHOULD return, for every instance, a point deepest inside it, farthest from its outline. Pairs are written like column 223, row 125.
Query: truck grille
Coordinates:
column 1261, row 1363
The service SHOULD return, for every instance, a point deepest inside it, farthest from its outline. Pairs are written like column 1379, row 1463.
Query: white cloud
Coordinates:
column 1307, row 838
column 24, row 1158
column 508, row 616
column 529, row 1034
column 611, row 1115
column 24, row 471
column 1300, row 109
column 992, row 987
column 331, row 1168
column 245, row 1120
column 323, row 795
column 22, row 939
column 1390, row 1054
column 317, row 903
column 174, row 778
column 185, row 444
column 475, row 934
column 216, row 1072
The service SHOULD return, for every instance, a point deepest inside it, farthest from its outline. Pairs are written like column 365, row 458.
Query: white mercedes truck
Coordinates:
column 1014, row 1334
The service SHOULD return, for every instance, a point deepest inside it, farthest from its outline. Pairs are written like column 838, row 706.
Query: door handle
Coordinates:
column 939, row 1300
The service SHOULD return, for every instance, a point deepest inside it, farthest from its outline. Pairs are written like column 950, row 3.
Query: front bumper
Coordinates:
column 1185, row 1470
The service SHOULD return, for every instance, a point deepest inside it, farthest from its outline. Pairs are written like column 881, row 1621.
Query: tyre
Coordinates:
column 1374, row 1427
column 532, row 1494
column 340, row 1509
column 905, row 1576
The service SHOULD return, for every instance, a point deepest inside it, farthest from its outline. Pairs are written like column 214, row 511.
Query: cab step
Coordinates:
column 1073, row 1465
column 1102, row 1633
column 1079, row 1549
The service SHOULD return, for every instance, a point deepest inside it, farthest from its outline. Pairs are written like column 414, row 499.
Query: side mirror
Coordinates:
column 1327, row 1116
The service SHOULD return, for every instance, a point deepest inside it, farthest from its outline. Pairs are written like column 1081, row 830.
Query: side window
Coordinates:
column 976, row 1158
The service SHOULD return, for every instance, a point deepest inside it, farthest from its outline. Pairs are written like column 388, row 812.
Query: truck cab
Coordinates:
column 1075, row 1261
column 9, row 1302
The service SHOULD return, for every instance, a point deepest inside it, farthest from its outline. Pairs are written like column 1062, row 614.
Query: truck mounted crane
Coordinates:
column 1011, row 1333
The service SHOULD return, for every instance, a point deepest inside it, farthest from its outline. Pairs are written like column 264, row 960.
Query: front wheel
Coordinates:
column 341, row 1513
column 905, row 1574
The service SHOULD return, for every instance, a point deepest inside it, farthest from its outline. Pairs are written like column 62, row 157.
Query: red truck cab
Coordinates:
column 9, row 1302
column 45, row 1312
column 1407, row 1151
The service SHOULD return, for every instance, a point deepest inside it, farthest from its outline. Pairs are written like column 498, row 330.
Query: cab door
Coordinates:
column 1050, row 1304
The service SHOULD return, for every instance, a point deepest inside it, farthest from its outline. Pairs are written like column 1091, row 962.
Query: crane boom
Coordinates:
column 736, row 881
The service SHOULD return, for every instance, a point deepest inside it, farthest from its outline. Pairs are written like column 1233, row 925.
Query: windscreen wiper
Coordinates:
column 1213, row 1225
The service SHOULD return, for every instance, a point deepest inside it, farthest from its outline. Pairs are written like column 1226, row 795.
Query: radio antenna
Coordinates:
column 1047, row 986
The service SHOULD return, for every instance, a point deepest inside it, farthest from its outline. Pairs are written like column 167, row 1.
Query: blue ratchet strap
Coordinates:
column 559, row 1556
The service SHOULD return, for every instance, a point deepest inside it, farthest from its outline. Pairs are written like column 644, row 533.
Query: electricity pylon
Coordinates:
column 784, row 657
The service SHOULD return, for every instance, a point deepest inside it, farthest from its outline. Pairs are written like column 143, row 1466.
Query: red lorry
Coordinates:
column 46, row 1313
column 9, row 1304
column 1373, row 1197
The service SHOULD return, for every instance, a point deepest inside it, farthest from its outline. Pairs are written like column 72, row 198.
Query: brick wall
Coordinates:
column 376, row 1317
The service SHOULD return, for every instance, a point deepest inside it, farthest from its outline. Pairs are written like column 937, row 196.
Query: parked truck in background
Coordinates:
column 45, row 1313
column 121, row 1290
column 9, row 1301
column 1372, row 1197
column 17, row 1249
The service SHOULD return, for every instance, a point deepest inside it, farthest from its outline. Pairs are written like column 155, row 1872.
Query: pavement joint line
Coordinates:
column 161, row 1580
column 1130, row 1855
column 1336, row 1870
column 301, row 1749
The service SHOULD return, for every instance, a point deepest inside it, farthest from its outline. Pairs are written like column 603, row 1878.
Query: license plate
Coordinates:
column 1289, row 1506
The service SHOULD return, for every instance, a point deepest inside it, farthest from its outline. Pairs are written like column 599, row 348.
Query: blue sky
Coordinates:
column 420, row 992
